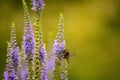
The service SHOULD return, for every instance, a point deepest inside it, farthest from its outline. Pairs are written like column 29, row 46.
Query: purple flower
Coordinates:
column 43, row 68
column 38, row 5
column 14, row 56
column 59, row 44
column 62, row 45
column 12, row 74
column 60, row 72
column 9, row 75
column 6, row 75
column 44, row 75
column 42, row 53
column 24, row 74
column 28, row 42
column 14, row 50
column 56, row 47
column 28, row 38
column 62, row 48
column 50, row 65
column 59, row 48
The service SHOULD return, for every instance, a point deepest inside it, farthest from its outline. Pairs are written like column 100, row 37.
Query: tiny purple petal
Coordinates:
column 24, row 74
column 62, row 45
column 6, row 75
column 9, row 75
column 56, row 47
column 50, row 65
column 42, row 53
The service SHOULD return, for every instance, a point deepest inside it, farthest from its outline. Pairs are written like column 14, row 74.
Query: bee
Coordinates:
column 66, row 55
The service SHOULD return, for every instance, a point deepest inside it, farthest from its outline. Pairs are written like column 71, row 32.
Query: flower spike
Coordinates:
column 60, row 72
column 28, row 40
column 12, row 56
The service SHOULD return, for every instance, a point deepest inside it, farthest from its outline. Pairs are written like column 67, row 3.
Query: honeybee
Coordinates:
column 66, row 55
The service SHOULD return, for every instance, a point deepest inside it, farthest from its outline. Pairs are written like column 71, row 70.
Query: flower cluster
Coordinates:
column 31, row 61
column 38, row 5
column 29, row 41
column 12, row 56
column 60, row 71
column 28, row 38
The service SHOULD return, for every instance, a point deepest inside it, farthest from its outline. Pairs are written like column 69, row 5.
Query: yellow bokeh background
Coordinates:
column 92, row 33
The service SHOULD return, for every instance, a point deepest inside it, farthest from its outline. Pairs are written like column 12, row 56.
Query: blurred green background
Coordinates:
column 92, row 32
